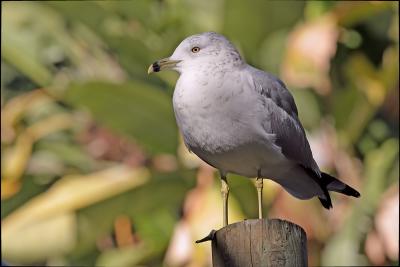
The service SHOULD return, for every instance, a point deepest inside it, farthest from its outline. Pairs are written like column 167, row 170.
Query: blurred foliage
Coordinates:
column 94, row 172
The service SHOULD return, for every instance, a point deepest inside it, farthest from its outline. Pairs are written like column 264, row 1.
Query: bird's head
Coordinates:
column 201, row 50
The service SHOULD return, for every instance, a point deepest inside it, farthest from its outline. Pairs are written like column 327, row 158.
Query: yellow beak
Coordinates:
column 162, row 64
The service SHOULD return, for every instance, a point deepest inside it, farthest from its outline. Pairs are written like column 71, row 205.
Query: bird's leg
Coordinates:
column 259, row 186
column 225, row 193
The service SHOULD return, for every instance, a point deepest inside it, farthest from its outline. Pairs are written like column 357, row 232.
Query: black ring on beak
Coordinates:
column 156, row 67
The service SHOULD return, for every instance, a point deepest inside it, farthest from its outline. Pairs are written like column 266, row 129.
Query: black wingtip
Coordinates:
column 351, row 192
column 326, row 203
column 330, row 183
column 333, row 184
column 326, row 198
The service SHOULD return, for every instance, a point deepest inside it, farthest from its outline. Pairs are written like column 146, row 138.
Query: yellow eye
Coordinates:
column 195, row 49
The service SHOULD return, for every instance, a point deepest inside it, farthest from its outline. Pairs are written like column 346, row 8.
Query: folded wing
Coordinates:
column 282, row 119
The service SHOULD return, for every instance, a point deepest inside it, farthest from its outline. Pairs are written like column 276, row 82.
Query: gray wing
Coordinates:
column 282, row 119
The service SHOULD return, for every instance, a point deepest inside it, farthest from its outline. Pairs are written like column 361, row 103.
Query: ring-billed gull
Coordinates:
column 242, row 120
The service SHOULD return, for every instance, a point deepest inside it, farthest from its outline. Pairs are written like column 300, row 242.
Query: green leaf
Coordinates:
column 22, row 36
column 134, row 109
column 70, row 154
column 343, row 248
column 153, row 209
column 307, row 105
column 50, row 214
column 130, row 256
column 251, row 21
column 43, row 239
column 28, row 190
column 243, row 190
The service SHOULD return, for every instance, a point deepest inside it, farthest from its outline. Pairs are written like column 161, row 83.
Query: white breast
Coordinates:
column 206, row 110
column 214, row 125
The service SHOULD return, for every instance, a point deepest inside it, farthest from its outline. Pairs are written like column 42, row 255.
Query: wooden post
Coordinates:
column 259, row 242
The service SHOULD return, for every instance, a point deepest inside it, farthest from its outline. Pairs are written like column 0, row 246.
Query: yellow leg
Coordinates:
column 259, row 186
column 225, row 193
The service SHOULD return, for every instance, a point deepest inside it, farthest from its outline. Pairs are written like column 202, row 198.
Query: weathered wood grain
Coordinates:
column 260, row 243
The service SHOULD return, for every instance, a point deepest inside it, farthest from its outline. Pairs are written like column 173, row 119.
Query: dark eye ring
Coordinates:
column 195, row 49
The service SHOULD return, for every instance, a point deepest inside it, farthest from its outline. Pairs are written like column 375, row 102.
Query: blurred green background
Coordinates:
column 94, row 172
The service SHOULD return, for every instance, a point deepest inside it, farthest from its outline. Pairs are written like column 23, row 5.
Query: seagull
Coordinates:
column 242, row 120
